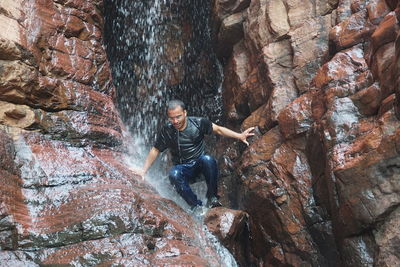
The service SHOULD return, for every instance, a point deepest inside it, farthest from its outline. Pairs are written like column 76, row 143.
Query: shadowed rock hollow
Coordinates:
column 318, row 186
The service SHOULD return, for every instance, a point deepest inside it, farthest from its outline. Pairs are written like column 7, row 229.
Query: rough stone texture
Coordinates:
column 320, row 178
column 310, row 49
column 231, row 32
column 231, row 227
column 351, row 31
column 66, row 195
column 318, row 185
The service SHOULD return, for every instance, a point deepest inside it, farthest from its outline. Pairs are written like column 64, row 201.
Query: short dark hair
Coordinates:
column 172, row 104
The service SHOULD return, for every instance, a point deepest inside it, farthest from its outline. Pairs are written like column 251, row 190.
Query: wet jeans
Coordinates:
column 182, row 174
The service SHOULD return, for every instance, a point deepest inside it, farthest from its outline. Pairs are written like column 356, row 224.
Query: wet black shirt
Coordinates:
column 186, row 145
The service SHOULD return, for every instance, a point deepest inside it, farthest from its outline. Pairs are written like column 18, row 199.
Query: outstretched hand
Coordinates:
column 247, row 133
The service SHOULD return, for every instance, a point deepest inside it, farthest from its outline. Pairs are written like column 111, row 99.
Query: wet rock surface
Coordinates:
column 66, row 195
column 320, row 179
column 318, row 185
column 231, row 228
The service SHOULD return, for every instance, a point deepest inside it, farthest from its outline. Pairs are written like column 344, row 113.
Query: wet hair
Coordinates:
column 172, row 104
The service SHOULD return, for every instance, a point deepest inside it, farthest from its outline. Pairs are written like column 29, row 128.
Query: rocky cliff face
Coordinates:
column 319, row 79
column 66, row 197
column 318, row 186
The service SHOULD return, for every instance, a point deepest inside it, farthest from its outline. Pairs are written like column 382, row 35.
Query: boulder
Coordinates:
column 309, row 43
column 354, row 30
column 296, row 118
column 231, row 228
column 377, row 10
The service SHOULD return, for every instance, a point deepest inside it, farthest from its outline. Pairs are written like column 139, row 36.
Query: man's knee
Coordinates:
column 208, row 160
column 174, row 175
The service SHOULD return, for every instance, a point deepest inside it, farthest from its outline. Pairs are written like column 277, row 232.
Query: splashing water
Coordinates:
column 160, row 50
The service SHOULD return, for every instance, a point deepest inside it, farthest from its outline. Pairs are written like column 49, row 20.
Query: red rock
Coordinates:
column 350, row 68
column 351, row 133
column 243, row 81
column 354, row 30
column 53, row 168
column 71, row 46
column 387, row 104
column 309, row 43
column 349, row 177
column 386, row 31
column 368, row 100
column 351, row 250
column 272, row 193
column 260, row 118
column 256, row 27
column 318, row 105
column 61, row 64
column 363, row 159
column 278, row 63
column 256, row 89
column 296, row 118
column 262, row 150
column 231, row 228
column 377, row 10
column 73, row 27
column 381, row 67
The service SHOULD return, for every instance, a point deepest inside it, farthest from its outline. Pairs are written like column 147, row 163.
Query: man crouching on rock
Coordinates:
column 184, row 136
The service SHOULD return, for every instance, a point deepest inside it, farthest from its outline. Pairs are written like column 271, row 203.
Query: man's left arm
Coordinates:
column 229, row 133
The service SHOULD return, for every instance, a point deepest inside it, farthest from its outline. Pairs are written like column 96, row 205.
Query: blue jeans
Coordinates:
column 182, row 174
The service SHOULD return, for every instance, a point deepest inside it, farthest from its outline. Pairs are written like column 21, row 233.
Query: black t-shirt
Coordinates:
column 186, row 145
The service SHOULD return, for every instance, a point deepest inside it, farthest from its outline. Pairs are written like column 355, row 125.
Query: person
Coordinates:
column 184, row 136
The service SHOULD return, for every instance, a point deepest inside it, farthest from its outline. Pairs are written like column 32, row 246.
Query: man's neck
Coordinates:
column 184, row 125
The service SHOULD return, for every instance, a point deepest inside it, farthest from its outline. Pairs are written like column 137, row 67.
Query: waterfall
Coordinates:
column 160, row 50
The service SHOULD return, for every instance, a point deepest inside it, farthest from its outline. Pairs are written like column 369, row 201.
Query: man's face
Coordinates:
column 177, row 117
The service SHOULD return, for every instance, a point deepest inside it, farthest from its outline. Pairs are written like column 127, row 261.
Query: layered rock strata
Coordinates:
column 66, row 196
column 320, row 181
column 318, row 185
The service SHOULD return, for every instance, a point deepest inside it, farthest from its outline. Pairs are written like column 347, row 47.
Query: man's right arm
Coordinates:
column 151, row 157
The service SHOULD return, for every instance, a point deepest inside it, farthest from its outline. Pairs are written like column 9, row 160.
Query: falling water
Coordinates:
column 160, row 50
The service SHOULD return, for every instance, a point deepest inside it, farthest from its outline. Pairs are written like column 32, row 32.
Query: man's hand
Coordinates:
column 229, row 133
column 247, row 133
column 139, row 172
